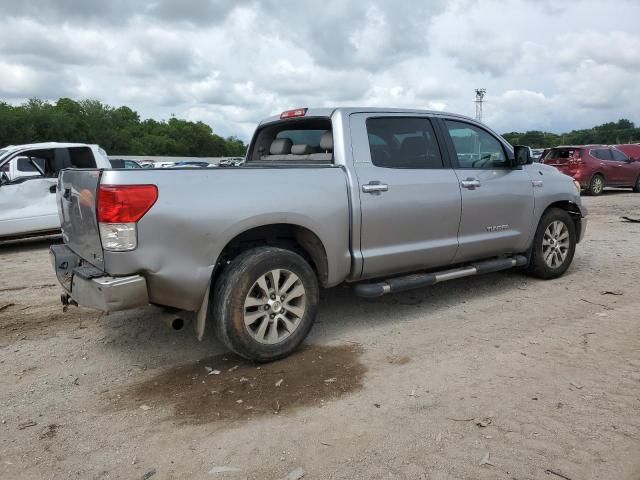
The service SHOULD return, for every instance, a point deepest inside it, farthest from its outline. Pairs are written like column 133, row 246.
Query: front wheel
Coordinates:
column 265, row 303
column 553, row 246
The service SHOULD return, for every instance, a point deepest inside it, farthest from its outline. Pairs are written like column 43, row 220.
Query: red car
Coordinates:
column 598, row 166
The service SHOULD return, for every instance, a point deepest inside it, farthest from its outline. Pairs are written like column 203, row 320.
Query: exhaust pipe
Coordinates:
column 173, row 320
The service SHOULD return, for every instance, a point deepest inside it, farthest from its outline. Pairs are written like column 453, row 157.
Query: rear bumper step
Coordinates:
column 419, row 280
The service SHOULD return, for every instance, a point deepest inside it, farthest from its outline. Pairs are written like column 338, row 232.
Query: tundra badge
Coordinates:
column 497, row 228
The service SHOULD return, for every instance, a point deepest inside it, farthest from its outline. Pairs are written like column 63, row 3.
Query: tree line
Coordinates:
column 118, row 130
column 121, row 132
column 622, row 131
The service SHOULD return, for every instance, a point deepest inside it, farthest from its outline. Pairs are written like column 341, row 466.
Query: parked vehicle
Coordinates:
column 536, row 154
column 28, row 176
column 120, row 163
column 385, row 200
column 632, row 150
column 192, row 164
column 231, row 162
column 596, row 166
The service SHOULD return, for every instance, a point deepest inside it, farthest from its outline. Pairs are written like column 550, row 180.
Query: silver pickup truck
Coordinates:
column 383, row 199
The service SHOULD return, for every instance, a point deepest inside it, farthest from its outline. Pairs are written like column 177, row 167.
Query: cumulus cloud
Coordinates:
column 546, row 64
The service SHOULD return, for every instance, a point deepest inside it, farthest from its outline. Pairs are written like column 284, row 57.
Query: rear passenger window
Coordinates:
column 475, row 147
column 602, row 154
column 81, row 157
column 399, row 142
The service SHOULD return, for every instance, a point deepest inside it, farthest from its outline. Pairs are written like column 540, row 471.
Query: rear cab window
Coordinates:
column 307, row 141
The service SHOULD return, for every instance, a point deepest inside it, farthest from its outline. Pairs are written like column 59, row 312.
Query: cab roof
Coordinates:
column 33, row 146
column 329, row 111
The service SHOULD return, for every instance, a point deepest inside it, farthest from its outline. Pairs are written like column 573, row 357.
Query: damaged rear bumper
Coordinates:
column 93, row 288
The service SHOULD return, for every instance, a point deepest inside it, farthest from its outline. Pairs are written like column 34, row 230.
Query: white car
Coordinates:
column 28, row 177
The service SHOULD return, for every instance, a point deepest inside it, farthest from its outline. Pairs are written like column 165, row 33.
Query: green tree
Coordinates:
column 622, row 131
column 117, row 130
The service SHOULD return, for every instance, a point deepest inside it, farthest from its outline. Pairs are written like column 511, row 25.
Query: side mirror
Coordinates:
column 4, row 178
column 522, row 156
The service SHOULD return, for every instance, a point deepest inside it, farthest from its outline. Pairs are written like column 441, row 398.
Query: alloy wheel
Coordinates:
column 598, row 185
column 555, row 244
column 274, row 306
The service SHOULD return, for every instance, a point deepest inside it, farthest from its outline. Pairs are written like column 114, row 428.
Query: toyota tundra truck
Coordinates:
column 384, row 200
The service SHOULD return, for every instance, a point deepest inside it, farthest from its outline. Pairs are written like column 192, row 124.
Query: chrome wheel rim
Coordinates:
column 274, row 306
column 555, row 244
column 597, row 185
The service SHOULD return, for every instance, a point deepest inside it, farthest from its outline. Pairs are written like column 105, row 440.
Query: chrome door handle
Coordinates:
column 470, row 183
column 375, row 187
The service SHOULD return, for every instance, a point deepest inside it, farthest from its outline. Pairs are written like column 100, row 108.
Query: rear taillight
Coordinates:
column 119, row 208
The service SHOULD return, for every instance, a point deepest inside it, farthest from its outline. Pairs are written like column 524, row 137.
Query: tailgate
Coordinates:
column 77, row 191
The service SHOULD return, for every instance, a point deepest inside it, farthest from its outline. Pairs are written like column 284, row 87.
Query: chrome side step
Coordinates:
column 419, row 280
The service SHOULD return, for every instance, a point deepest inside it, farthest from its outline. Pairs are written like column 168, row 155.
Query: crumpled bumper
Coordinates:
column 93, row 288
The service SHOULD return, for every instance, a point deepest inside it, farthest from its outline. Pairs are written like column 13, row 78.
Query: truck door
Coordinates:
column 409, row 195
column 28, row 197
column 497, row 200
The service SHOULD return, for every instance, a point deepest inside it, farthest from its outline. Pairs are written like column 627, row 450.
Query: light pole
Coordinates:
column 480, row 93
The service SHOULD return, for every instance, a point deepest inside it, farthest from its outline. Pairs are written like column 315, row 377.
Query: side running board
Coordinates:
column 419, row 280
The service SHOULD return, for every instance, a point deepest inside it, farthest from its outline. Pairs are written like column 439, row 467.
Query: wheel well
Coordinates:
column 572, row 209
column 291, row 237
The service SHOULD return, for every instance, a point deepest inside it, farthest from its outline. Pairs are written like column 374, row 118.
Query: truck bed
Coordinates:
column 197, row 213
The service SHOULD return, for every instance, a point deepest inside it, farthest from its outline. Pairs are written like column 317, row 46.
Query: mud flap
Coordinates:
column 201, row 317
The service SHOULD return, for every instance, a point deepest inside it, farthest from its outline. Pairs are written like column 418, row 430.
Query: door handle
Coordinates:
column 52, row 189
column 375, row 187
column 470, row 183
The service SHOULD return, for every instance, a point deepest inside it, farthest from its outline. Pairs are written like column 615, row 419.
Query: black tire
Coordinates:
column 636, row 187
column 596, row 185
column 238, row 280
column 538, row 267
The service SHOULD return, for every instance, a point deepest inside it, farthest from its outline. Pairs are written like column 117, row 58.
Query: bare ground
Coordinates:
column 544, row 377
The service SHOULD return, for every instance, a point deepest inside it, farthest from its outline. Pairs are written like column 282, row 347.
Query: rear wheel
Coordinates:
column 636, row 187
column 265, row 303
column 554, row 245
column 596, row 185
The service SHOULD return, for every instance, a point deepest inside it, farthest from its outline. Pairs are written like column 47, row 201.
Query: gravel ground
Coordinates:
column 494, row 377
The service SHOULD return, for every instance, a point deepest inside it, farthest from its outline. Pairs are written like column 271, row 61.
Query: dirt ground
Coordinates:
column 543, row 377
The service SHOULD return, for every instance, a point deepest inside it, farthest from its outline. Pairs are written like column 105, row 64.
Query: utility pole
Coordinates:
column 480, row 93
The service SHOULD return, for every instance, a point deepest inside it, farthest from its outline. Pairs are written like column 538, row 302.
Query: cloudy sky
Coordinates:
column 546, row 64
